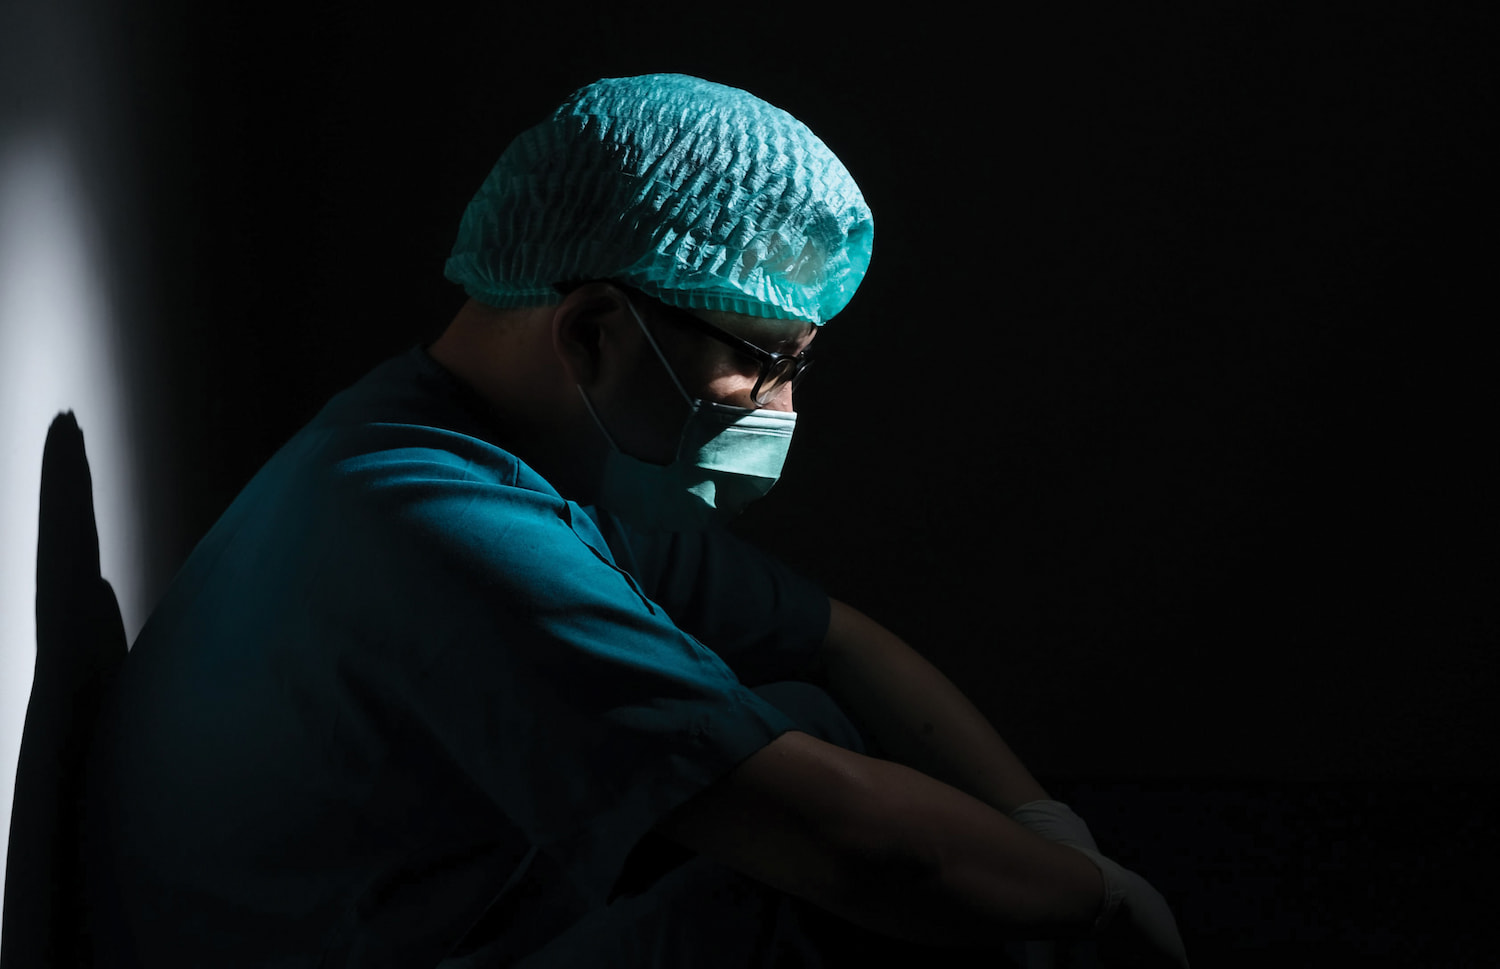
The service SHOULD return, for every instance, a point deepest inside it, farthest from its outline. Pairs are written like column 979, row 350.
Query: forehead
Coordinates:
column 781, row 336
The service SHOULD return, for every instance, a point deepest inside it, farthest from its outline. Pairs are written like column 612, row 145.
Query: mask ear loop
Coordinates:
column 693, row 405
column 659, row 355
column 589, row 405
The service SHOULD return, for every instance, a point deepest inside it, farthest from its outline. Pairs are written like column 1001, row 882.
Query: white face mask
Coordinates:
column 726, row 458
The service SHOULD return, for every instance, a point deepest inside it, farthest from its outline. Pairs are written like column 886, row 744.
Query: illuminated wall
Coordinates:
column 64, row 318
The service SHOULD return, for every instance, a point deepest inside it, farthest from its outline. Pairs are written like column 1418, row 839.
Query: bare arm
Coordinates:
column 916, row 714
column 887, row 847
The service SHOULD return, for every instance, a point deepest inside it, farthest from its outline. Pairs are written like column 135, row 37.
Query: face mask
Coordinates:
column 726, row 458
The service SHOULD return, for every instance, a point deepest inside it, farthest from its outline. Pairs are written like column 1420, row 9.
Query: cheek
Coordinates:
column 731, row 387
column 711, row 371
column 656, row 422
column 782, row 401
column 724, row 378
column 643, row 410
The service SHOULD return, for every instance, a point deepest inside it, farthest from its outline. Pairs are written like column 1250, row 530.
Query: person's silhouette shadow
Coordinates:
column 80, row 645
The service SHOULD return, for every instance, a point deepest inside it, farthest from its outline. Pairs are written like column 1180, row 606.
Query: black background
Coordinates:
column 1162, row 422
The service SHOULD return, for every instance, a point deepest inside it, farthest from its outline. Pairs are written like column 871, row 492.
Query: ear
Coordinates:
column 590, row 329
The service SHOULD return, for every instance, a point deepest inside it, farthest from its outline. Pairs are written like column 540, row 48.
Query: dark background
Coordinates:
column 1161, row 423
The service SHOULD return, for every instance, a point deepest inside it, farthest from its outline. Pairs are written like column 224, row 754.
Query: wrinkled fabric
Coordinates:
column 698, row 194
column 403, row 682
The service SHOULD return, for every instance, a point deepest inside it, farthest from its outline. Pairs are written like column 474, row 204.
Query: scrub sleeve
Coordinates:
column 547, row 675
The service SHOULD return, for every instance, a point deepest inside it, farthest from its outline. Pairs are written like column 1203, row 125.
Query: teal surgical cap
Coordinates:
column 699, row 194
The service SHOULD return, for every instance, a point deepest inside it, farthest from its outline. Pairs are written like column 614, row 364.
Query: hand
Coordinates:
column 1055, row 821
column 1136, row 927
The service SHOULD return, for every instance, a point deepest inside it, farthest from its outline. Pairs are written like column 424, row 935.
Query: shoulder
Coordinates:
column 409, row 421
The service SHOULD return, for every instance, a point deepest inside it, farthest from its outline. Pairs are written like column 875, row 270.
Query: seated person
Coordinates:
column 476, row 632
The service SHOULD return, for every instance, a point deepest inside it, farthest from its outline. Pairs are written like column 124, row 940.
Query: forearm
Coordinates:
column 985, row 880
column 916, row 715
column 888, row 848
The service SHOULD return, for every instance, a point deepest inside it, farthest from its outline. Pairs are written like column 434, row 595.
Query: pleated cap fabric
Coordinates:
column 696, row 193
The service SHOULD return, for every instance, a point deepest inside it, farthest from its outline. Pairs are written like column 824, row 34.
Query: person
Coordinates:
column 473, row 655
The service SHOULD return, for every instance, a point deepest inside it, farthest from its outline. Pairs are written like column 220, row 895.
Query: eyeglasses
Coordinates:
column 777, row 370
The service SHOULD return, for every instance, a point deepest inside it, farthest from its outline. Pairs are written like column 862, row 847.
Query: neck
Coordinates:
column 505, row 357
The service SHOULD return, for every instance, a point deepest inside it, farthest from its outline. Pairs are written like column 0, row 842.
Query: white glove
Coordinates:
column 1135, row 926
column 1055, row 821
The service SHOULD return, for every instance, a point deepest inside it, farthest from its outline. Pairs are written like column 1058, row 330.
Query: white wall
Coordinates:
column 60, row 324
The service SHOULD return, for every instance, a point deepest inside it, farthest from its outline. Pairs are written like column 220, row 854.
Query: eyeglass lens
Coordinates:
column 779, row 374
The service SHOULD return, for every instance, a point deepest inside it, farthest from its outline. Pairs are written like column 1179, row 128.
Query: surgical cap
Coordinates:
column 698, row 194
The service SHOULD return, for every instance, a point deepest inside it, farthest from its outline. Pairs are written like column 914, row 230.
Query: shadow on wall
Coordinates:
column 80, row 645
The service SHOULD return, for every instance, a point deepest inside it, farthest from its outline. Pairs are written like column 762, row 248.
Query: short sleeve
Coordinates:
column 766, row 621
column 494, row 614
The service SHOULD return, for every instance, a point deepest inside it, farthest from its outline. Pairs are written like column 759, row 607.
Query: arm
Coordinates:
column 921, row 719
column 887, row 847
column 916, row 714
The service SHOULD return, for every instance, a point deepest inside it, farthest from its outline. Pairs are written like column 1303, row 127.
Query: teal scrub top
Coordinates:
column 403, row 684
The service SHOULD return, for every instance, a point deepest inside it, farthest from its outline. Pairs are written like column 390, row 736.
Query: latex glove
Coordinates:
column 1055, row 821
column 1135, row 926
